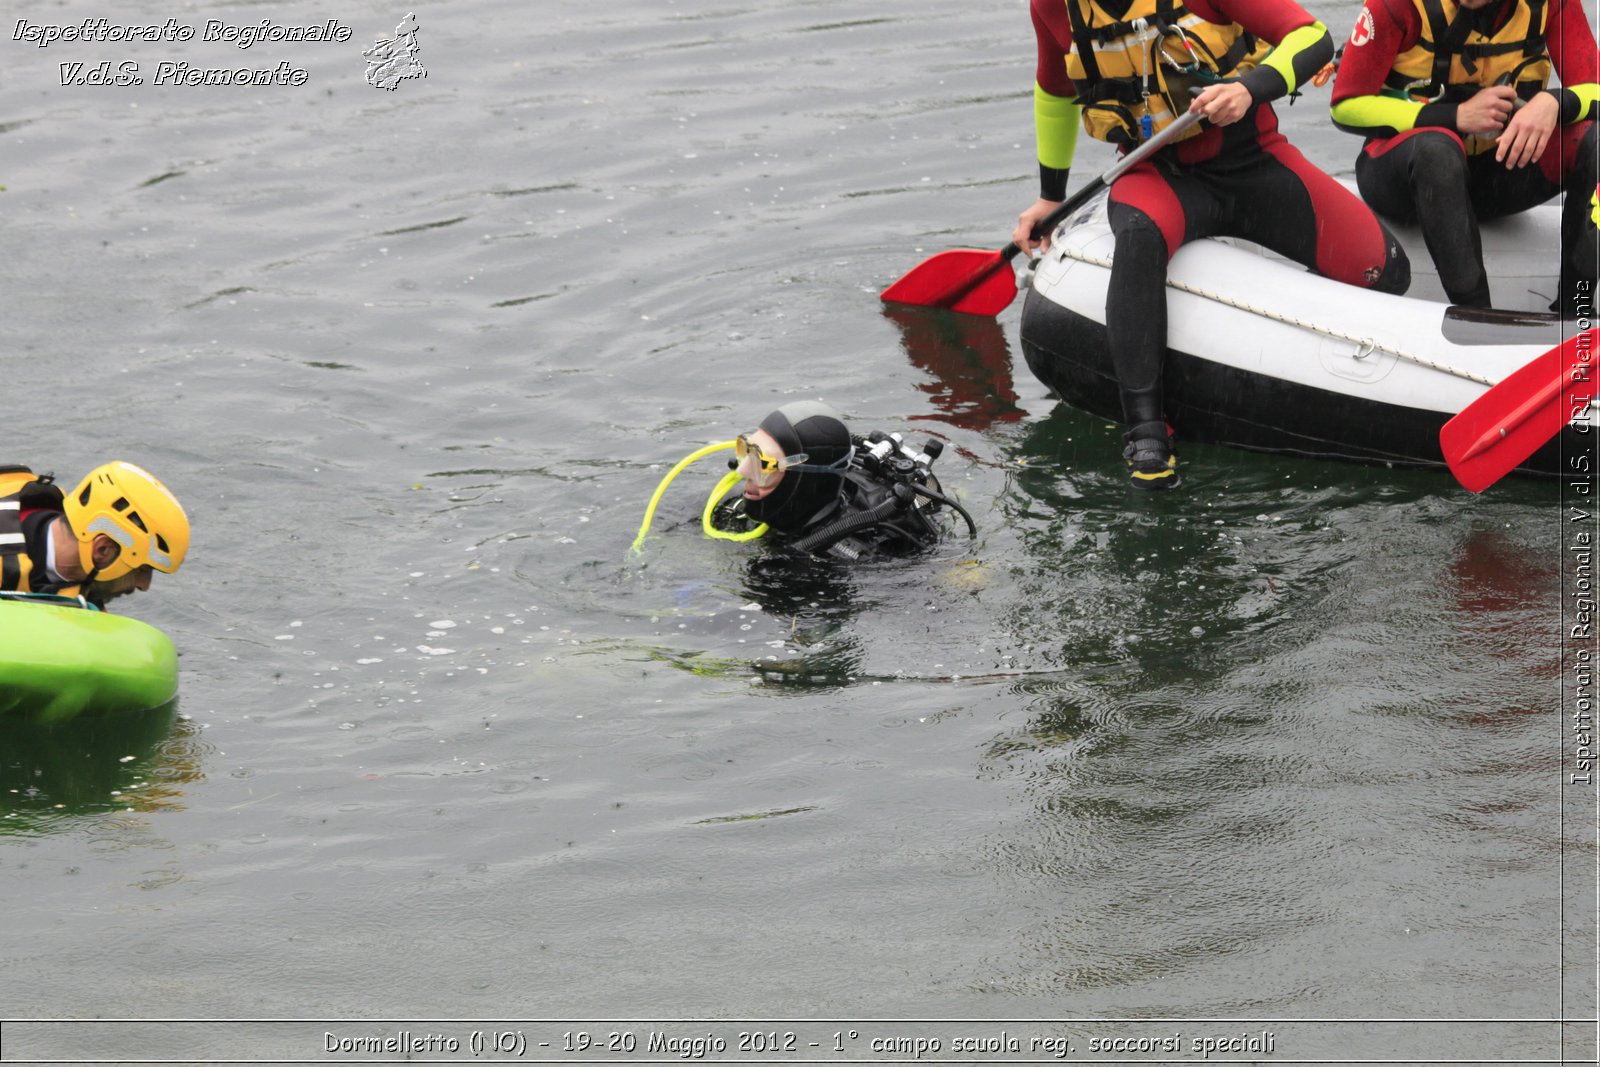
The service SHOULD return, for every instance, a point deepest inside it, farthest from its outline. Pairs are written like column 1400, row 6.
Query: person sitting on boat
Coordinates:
column 822, row 491
column 1452, row 98
column 100, row 541
column 1126, row 68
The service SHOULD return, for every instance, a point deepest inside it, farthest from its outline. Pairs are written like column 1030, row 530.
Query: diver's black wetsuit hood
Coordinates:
column 812, row 428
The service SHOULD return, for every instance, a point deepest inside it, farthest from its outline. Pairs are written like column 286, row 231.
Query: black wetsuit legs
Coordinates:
column 1136, row 312
column 1424, row 177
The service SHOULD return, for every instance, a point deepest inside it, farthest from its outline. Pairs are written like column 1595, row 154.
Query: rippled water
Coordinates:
column 1289, row 744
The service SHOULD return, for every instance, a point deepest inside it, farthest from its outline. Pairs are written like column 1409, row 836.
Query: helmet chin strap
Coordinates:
column 84, row 586
column 88, row 579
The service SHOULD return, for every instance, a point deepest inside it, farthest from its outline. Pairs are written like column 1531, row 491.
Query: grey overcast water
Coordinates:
column 1282, row 758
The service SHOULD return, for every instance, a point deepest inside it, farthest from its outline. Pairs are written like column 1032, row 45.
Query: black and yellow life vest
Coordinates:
column 21, row 570
column 1133, row 71
column 1452, row 59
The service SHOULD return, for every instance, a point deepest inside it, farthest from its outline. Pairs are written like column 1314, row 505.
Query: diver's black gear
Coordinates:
column 877, row 513
column 900, row 498
column 882, row 501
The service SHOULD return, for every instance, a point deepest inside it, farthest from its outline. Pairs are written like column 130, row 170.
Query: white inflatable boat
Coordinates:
column 1265, row 355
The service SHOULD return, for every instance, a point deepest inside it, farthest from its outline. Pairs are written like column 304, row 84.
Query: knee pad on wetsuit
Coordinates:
column 1437, row 157
column 1138, row 237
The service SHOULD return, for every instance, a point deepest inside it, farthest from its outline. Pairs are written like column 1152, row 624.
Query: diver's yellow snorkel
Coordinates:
column 720, row 490
column 717, row 493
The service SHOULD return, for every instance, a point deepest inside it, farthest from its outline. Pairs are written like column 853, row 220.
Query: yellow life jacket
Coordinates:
column 13, row 478
column 1133, row 71
column 20, row 490
column 1452, row 60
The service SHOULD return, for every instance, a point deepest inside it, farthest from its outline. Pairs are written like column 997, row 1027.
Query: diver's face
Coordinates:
column 758, row 485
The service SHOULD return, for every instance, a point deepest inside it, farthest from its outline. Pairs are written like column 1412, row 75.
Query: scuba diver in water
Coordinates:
column 821, row 491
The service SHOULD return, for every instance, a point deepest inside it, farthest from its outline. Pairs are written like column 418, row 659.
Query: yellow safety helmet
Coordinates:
column 128, row 505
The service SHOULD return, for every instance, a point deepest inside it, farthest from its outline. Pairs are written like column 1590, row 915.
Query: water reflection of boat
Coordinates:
column 968, row 361
column 1263, row 354
column 59, row 660
column 133, row 761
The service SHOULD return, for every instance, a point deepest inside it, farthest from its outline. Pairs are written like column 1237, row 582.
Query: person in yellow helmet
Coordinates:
column 102, row 540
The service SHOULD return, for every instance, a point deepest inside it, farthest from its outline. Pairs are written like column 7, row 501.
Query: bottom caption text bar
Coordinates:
column 874, row 1041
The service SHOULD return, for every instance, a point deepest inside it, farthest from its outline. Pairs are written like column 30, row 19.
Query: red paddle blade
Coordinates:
column 1507, row 424
column 962, row 279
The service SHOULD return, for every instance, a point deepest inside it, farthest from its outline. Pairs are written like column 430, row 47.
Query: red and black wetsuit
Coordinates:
column 1242, row 180
column 1418, row 167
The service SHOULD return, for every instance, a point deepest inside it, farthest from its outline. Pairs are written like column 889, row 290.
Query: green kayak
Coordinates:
column 59, row 660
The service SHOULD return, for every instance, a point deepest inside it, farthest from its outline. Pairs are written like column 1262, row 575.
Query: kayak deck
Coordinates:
column 59, row 661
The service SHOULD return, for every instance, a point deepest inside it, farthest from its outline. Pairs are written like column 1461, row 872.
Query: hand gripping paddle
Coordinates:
column 981, row 283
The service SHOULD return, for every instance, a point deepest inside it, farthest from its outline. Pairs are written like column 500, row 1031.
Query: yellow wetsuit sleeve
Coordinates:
column 1055, row 128
column 1588, row 95
column 1376, row 116
column 1300, row 55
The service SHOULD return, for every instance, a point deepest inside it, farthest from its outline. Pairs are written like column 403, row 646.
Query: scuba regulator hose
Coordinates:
column 841, row 528
column 717, row 494
column 720, row 490
column 901, row 500
column 972, row 527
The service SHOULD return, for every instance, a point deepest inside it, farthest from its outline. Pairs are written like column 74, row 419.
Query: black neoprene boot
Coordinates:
column 1151, row 462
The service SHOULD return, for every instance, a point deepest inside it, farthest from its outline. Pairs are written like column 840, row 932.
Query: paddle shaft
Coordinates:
column 1111, row 174
column 981, row 283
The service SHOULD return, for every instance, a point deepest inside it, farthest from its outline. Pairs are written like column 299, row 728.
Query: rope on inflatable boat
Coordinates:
column 1365, row 345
